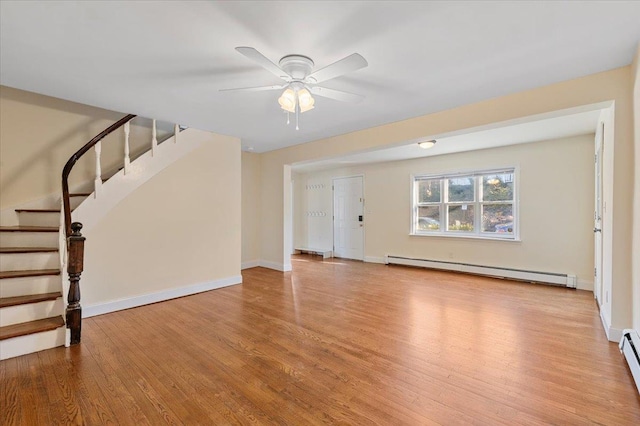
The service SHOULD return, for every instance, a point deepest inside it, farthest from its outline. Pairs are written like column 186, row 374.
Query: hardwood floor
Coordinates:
column 335, row 342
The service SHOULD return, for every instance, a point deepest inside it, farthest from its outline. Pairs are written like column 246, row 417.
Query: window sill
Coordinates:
column 467, row 237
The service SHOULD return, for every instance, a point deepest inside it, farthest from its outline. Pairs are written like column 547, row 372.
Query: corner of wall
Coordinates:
column 635, row 273
column 251, row 207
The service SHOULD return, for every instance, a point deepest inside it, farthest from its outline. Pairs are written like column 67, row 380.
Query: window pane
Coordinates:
column 497, row 218
column 428, row 218
column 429, row 191
column 461, row 189
column 460, row 218
column 497, row 187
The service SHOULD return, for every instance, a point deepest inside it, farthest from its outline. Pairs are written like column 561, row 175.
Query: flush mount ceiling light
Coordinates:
column 427, row 144
column 300, row 82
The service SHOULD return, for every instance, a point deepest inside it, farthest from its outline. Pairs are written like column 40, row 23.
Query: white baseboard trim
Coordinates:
column 613, row 334
column 373, row 259
column 275, row 265
column 584, row 284
column 605, row 323
column 146, row 299
column 250, row 264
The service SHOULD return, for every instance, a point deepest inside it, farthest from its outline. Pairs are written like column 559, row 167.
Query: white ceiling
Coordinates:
column 535, row 129
column 167, row 60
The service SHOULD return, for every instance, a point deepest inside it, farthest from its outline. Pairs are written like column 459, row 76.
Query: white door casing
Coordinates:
column 597, row 216
column 348, row 219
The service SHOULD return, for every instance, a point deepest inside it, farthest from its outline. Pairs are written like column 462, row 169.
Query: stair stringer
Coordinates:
column 95, row 207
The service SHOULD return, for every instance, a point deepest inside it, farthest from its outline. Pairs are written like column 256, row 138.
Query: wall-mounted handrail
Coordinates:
column 74, row 239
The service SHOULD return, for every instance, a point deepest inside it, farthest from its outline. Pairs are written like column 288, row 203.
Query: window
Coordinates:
column 480, row 204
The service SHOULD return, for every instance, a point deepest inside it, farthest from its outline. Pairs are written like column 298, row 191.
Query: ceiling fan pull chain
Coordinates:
column 297, row 115
column 288, row 121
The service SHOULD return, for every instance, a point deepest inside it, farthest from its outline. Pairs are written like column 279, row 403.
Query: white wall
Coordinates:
column 251, row 209
column 180, row 229
column 38, row 135
column 636, row 197
column 615, row 85
column 556, row 187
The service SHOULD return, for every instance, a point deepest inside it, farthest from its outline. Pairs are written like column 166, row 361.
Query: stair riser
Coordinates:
column 76, row 201
column 28, row 239
column 28, row 261
column 30, row 285
column 38, row 219
column 36, row 342
column 31, row 312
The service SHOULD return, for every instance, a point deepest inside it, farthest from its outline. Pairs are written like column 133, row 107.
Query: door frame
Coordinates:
column 333, row 219
column 598, row 214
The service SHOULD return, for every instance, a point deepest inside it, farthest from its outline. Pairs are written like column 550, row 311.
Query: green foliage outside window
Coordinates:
column 497, row 187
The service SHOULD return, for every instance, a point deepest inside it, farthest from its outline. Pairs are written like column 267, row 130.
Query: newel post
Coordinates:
column 76, row 260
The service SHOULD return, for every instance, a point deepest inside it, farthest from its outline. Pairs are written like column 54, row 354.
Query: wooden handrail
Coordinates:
column 72, row 161
column 74, row 239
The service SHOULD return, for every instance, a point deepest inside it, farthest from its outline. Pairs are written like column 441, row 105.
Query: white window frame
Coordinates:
column 477, row 205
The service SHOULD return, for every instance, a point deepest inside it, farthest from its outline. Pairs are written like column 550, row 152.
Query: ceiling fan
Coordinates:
column 299, row 80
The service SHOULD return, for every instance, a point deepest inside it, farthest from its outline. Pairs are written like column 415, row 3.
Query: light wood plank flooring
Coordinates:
column 335, row 342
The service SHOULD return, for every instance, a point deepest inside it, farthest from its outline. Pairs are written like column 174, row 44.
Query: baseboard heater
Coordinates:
column 629, row 346
column 566, row 280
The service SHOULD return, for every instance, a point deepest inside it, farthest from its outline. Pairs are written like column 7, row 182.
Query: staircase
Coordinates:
column 41, row 257
column 31, row 304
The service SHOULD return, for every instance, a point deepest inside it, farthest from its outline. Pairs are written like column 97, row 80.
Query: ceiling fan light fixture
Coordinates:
column 427, row 144
column 305, row 100
column 300, row 79
column 287, row 100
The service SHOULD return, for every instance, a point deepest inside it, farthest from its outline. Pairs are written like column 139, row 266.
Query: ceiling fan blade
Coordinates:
column 263, row 61
column 338, row 95
column 343, row 66
column 254, row 89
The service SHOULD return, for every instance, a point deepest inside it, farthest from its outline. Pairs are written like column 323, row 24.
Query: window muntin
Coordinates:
column 480, row 203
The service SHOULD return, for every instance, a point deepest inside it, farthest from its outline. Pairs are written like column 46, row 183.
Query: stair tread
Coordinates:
column 29, row 229
column 30, row 298
column 29, row 273
column 28, row 249
column 37, row 210
column 30, row 327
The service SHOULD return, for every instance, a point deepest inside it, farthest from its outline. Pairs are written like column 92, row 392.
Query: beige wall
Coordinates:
column 180, row 228
column 556, row 187
column 614, row 85
column 39, row 133
column 251, row 210
column 636, row 198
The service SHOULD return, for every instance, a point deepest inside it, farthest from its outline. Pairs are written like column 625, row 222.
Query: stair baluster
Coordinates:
column 127, row 159
column 154, row 138
column 98, row 180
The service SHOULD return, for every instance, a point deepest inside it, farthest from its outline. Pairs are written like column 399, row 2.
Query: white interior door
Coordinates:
column 348, row 219
column 597, row 217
